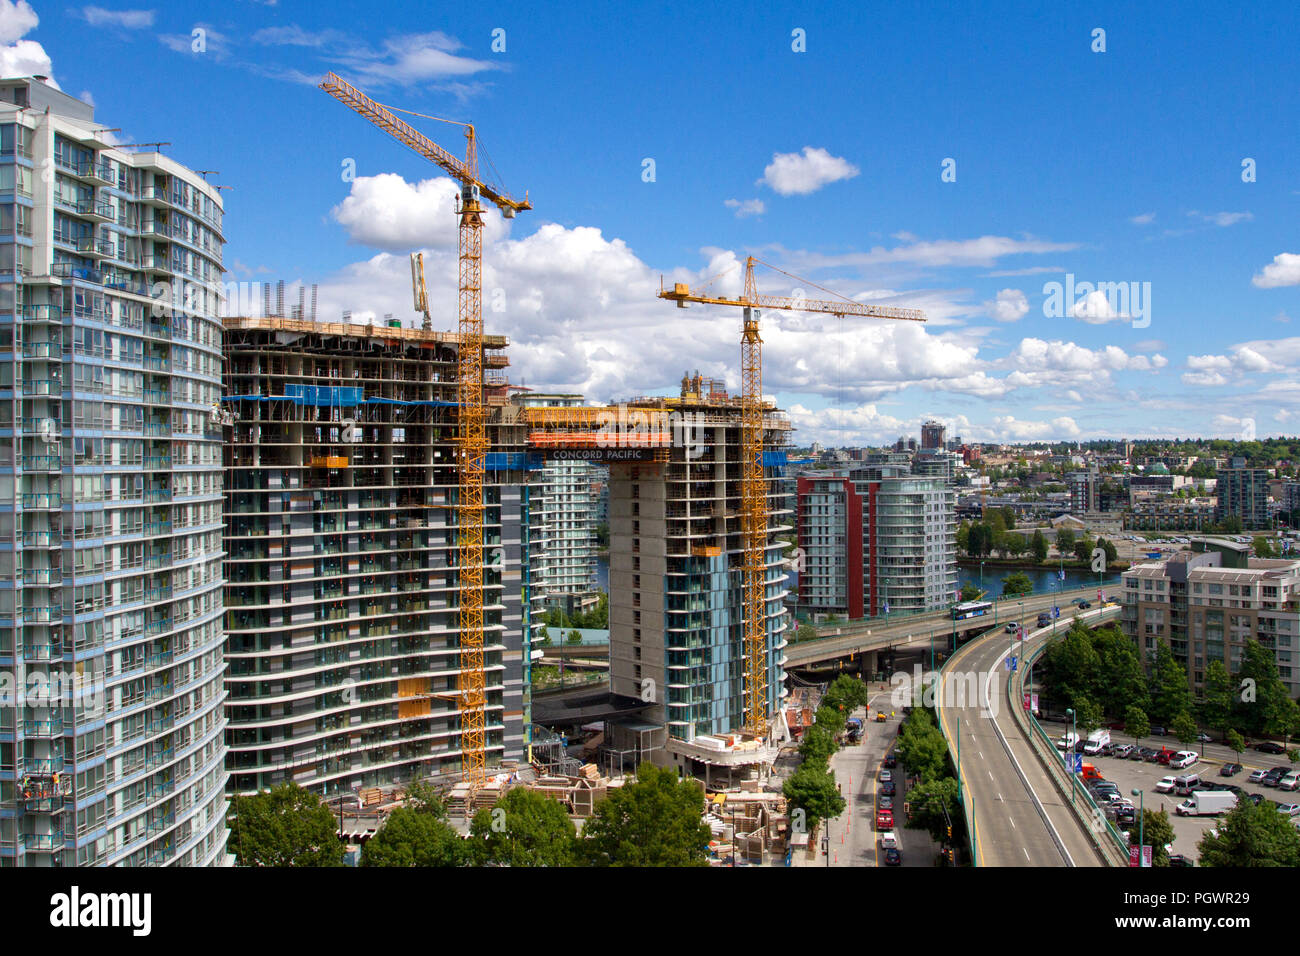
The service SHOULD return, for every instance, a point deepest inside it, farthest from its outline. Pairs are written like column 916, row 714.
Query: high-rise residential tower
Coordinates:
column 342, row 599
column 111, row 747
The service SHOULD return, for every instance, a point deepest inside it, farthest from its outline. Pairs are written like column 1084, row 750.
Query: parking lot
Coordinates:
column 1128, row 774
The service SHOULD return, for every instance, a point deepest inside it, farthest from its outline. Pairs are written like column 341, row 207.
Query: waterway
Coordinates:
column 1043, row 579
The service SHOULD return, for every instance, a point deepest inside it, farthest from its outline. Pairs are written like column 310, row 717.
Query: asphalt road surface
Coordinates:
column 1020, row 819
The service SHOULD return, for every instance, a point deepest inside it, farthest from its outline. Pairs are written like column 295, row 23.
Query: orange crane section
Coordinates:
column 754, row 513
column 472, row 441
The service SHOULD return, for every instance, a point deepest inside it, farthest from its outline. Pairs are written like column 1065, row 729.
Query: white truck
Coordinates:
column 1096, row 741
column 1206, row 803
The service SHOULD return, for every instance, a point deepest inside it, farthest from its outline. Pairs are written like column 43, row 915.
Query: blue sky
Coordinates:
column 1122, row 166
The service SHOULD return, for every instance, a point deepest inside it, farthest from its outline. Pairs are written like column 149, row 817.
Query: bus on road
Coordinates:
column 971, row 609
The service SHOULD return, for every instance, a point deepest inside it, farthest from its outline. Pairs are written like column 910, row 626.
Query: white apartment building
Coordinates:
column 111, row 734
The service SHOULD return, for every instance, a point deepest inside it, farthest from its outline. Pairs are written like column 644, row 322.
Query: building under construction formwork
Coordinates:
column 342, row 585
column 675, row 580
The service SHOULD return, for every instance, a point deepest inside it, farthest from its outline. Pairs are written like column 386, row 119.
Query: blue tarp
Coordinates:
column 774, row 459
column 512, row 461
column 324, row 395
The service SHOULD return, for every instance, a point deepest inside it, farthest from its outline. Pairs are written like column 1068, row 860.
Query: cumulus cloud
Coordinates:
column 1244, row 360
column 1144, row 219
column 797, row 174
column 1095, row 309
column 387, row 212
column 19, row 57
column 980, row 251
column 1283, row 270
column 1011, row 429
column 746, row 207
column 1009, row 306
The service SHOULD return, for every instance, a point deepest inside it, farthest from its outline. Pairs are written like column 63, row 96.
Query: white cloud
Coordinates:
column 1222, row 218
column 1030, row 271
column 1245, row 360
column 981, row 251
column 387, row 212
column 1143, row 219
column 1008, row 428
column 1283, row 270
column 1010, row 306
column 19, row 57
column 746, row 207
column 412, row 58
column 797, row 174
column 125, row 19
column 1095, row 309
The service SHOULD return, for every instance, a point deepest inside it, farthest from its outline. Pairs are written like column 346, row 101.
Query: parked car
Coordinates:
column 1182, row 759
column 1122, row 751
column 1177, row 859
column 1268, row 747
column 1255, row 798
column 1273, row 777
column 1084, row 605
column 1012, row 627
column 1159, row 731
column 1256, row 776
column 1150, row 754
column 1076, row 601
column 886, row 776
column 884, row 803
column 893, row 857
column 1163, row 757
column 1230, row 770
column 888, row 841
column 1290, row 809
column 888, row 789
column 884, row 820
column 1204, row 738
column 1290, row 781
column 1166, row 785
column 891, row 761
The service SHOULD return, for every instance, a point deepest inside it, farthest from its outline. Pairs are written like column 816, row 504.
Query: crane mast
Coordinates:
column 472, row 441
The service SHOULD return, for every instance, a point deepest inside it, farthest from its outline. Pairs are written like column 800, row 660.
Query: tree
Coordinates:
column 1157, row 831
column 656, row 821
column 1070, row 667
column 574, row 638
column 1083, row 549
column 805, row 632
column 1064, row 540
column 812, row 789
column 413, row 837
column 1216, row 705
column 1136, row 723
column 1038, row 545
column 1184, row 729
column 928, row 800
column 1169, row 693
column 921, row 746
column 1120, row 678
column 1016, row 584
column 1260, row 707
column 545, row 635
column 1236, row 743
column 1008, row 517
column 524, row 828
column 1112, row 553
column 970, row 592
column 283, row 826
column 818, row 744
column 847, row 694
column 424, row 798
column 1087, row 715
column 1251, row 835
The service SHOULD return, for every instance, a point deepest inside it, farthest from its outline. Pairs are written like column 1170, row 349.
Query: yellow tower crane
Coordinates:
column 752, row 483
column 472, row 441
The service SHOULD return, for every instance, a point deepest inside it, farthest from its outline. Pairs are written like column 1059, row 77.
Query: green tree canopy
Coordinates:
column 1156, row 832
column 1016, row 584
column 1170, row 695
column 818, row 744
column 1250, row 835
column 927, row 801
column 1064, row 540
column 812, row 789
column 283, row 826
column 1184, row 729
column 1136, row 723
column 415, row 837
column 846, row 693
column 1216, row 705
column 656, row 821
column 524, row 828
column 1038, row 546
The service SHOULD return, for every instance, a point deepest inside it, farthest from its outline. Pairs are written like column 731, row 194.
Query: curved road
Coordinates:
column 1019, row 818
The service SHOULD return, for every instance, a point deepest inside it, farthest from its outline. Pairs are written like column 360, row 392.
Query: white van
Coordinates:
column 1098, row 740
column 1067, row 741
column 1183, row 785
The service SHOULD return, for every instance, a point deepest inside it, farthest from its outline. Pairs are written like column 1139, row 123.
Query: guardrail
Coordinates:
column 966, row 798
column 1105, row 838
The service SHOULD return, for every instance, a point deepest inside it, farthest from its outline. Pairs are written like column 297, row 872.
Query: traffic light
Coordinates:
column 950, row 831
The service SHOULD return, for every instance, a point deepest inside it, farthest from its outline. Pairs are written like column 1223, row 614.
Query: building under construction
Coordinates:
column 342, row 594
column 675, row 573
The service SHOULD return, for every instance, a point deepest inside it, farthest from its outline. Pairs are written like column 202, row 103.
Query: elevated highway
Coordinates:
column 1015, row 812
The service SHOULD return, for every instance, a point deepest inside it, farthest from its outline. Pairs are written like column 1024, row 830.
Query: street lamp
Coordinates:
column 1142, row 805
column 1073, row 741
